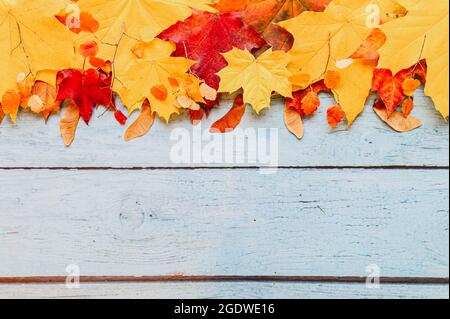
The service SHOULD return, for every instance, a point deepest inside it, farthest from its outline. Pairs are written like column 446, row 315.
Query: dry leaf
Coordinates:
column 396, row 120
column 45, row 99
column 232, row 119
column 294, row 122
column 69, row 123
column 143, row 123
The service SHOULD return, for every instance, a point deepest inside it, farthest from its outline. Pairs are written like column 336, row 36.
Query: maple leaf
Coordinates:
column 324, row 38
column 204, row 36
column 259, row 77
column 264, row 14
column 421, row 34
column 88, row 89
column 390, row 87
column 232, row 119
column 141, row 19
column 159, row 78
column 32, row 40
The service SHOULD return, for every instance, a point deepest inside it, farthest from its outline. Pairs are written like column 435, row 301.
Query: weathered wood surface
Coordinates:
column 226, row 222
column 225, row 290
column 369, row 142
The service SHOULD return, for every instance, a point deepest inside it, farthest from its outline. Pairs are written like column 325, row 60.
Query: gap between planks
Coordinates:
column 201, row 279
column 156, row 168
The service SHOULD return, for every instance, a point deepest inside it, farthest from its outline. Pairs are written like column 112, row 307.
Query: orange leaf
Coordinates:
column 310, row 103
column 368, row 51
column 89, row 49
column 396, row 120
column 160, row 92
column 10, row 104
column 98, row 63
column 143, row 123
column 410, row 85
column 69, row 123
column 332, row 79
column 47, row 94
column 335, row 115
column 294, row 122
column 407, row 107
column 88, row 23
column 232, row 119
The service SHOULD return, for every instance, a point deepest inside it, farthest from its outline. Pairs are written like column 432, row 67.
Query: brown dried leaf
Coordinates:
column 294, row 122
column 143, row 123
column 397, row 121
column 69, row 123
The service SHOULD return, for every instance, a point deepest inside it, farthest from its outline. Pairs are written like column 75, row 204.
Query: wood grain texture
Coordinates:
column 225, row 290
column 227, row 222
column 368, row 143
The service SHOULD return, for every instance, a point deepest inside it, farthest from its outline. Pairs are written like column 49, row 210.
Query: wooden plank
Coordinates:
column 368, row 143
column 225, row 222
column 219, row 290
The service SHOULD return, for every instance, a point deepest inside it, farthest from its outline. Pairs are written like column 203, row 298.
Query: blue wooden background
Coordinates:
column 341, row 201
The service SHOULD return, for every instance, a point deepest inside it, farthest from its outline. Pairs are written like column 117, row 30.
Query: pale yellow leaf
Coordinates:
column 32, row 39
column 258, row 77
column 421, row 34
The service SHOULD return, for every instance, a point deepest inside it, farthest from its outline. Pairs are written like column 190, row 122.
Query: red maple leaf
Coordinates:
column 88, row 89
column 204, row 36
column 264, row 14
column 390, row 86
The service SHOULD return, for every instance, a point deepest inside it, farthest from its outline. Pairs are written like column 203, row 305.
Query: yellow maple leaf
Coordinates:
column 421, row 34
column 158, row 77
column 258, row 77
column 140, row 19
column 322, row 39
column 31, row 40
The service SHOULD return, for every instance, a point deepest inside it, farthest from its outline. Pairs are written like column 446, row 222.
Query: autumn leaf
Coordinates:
column 140, row 19
column 44, row 99
column 297, row 101
column 10, row 104
column 294, row 121
column 232, row 119
column 391, row 88
column 32, row 40
column 421, row 34
column 335, row 115
column 258, row 77
column 143, row 123
column 264, row 14
column 324, row 38
column 396, row 120
column 159, row 78
column 88, row 89
column 69, row 123
column 204, row 36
